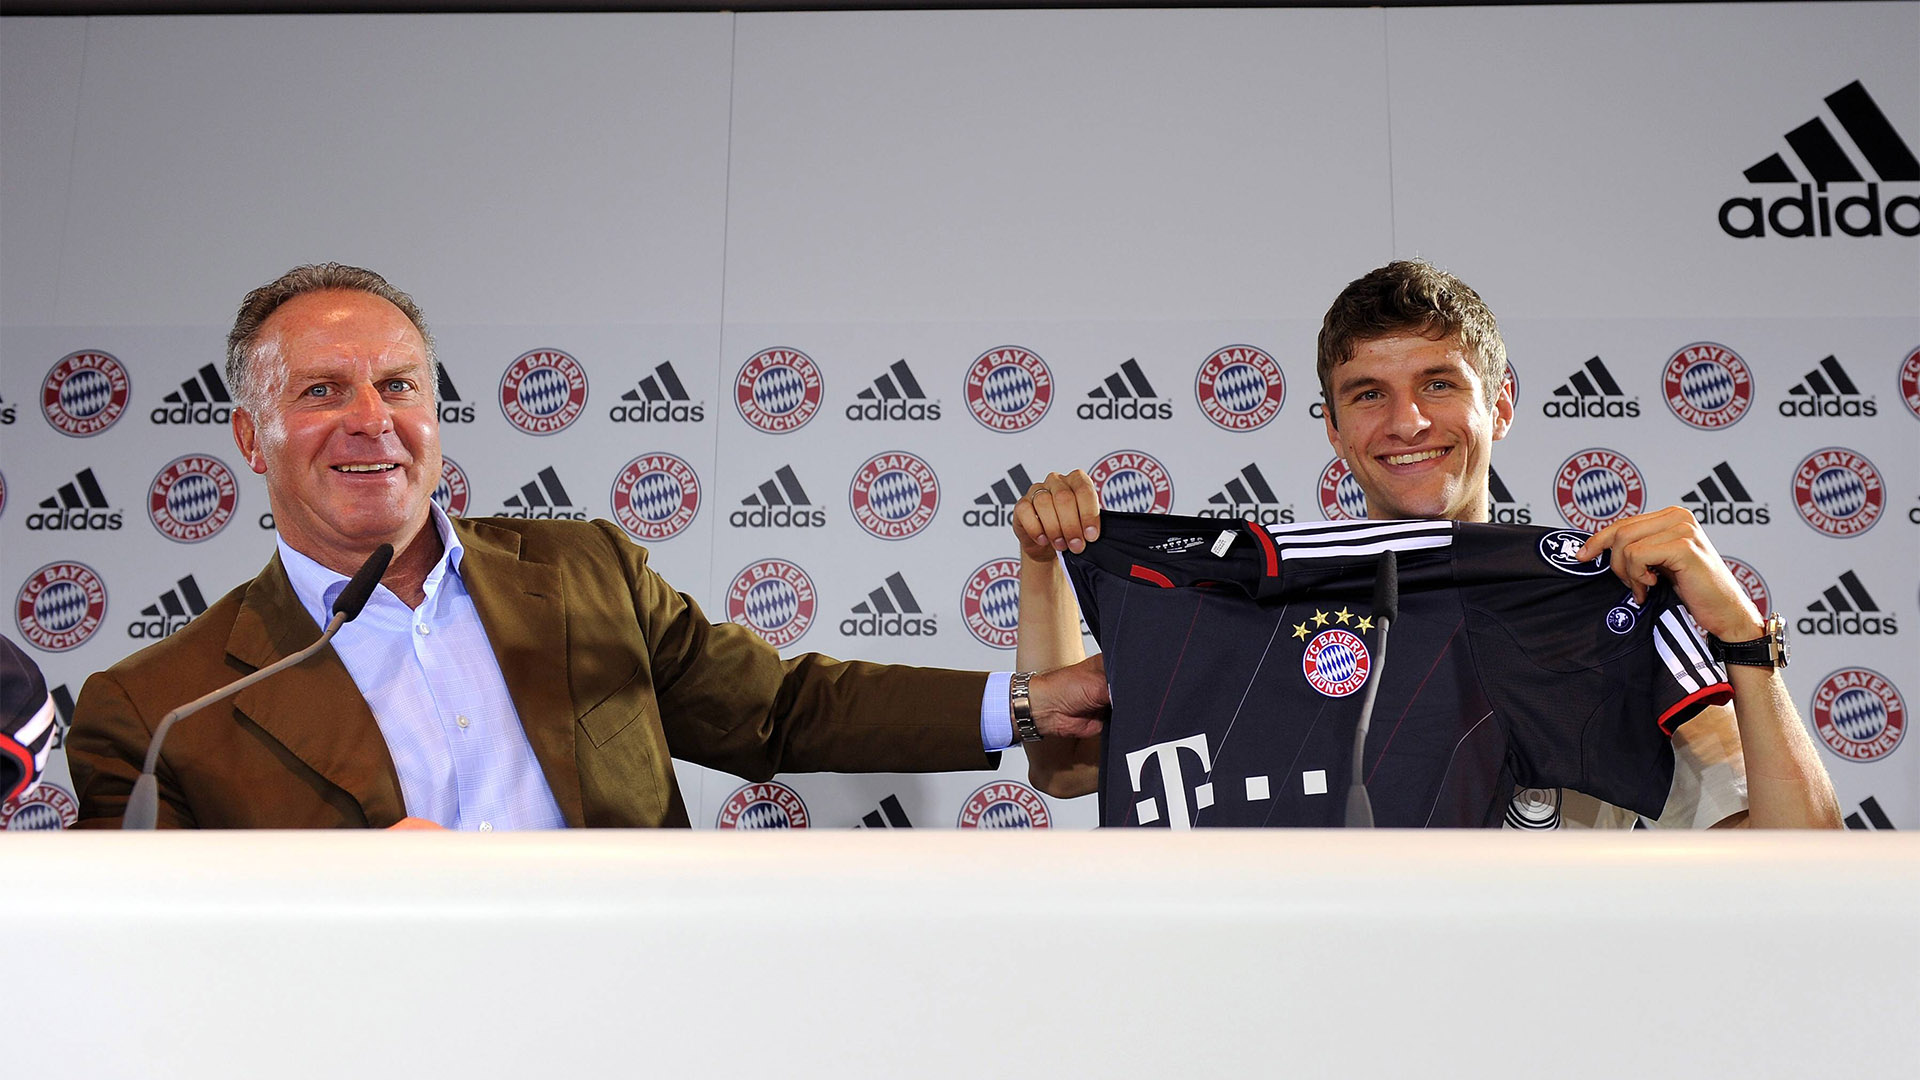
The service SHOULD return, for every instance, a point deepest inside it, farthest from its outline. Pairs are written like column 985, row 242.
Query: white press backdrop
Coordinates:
column 873, row 189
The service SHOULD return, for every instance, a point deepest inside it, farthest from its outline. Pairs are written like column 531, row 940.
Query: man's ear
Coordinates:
column 1502, row 411
column 246, row 436
column 1333, row 429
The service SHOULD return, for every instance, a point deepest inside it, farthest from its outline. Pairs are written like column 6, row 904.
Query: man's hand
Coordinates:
column 1670, row 544
column 1071, row 702
column 1060, row 513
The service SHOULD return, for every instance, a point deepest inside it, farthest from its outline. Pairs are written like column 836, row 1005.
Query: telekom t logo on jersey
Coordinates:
column 1167, row 758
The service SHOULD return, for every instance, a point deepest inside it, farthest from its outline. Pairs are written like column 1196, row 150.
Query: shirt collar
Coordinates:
column 318, row 587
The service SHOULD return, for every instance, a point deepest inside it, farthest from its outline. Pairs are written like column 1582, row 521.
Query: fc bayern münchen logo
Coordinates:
column 60, row 606
column 1561, row 549
column 1751, row 581
column 773, row 598
column 1336, row 663
column 894, row 495
column 766, row 805
column 1838, row 492
column 1910, row 382
column 452, row 491
column 1133, row 482
column 1859, row 714
column 990, row 603
column 1004, row 804
column 192, row 498
column 85, row 393
column 543, row 391
column 1595, row 488
column 1009, row 388
column 1340, row 496
column 1707, row 385
column 656, row 497
column 1240, row 388
column 48, row 806
column 778, row 390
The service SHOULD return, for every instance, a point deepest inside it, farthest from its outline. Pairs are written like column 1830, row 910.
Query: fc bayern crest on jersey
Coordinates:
column 1838, row 492
column 1004, row 804
column 192, row 498
column 453, row 490
column 1707, row 385
column 1561, row 549
column 1336, row 662
column 48, row 806
column 1595, row 488
column 1340, row 496
column 766, row 805
column 1009, row 388
column 656, row 497
column 1910, row 383
column 773, row 598
column 543, row 391
column 778, row 390
column 1240, row 388
column 85, row 393
column 894, row 495
column 990, row 603
column 1752, row 583
column 1859, row 714
column 61, row 605
column 1134, row 482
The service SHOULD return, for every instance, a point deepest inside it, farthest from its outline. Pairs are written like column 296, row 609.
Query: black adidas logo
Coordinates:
column 891, row 815
column 994, row 508
column 894, row 396
column 1248, row 497
column 543, row 497
column 1875, row 818
column 78, row 506
column 1125, row 395
column 1846, row 608
column 660, row 398
column 1826, row 162
column 449, row 399
column 175, row 608
column 1721, row 499
column 780, row 503
column 202, row 399
column 1590, row 393
column 1827, row 391
column 889, row 611
column 1502, row 508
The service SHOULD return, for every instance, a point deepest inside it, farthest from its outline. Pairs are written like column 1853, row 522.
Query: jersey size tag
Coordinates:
column 1223, row 542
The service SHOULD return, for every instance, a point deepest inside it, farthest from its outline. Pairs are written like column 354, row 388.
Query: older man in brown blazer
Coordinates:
column 586, row 672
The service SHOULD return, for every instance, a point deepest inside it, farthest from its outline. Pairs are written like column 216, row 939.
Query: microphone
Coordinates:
column 143, row 805
column 1386, row 609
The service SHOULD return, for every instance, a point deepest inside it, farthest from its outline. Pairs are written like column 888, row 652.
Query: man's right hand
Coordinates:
column 1060, row 513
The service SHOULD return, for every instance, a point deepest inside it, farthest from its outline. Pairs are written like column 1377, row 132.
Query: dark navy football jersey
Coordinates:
column 1238, row 654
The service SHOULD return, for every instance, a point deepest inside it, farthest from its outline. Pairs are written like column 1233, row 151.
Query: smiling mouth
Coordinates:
column 383, row 467
column 1423, row 455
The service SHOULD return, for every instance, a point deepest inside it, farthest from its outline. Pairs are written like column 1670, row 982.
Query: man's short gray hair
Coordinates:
column 243, row 340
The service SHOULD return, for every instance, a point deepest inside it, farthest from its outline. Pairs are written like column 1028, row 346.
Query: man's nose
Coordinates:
column 1407, row 418
column 367, row 412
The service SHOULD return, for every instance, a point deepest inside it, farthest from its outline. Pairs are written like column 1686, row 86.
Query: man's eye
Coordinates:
column 320, row 390
column 399, row 386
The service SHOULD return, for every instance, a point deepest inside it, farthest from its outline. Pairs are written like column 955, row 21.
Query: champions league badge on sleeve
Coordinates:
column 85, row 393
column 1561, row 549
column 60, row 606
column 1859, row 714
column 47, row 806
column 1134, row 482
column 1340, row 496
column 773, row 598
column 1008, row 389
column 1707, row 386
column 766, row 805
column 655, row 497
column 778, row 390
column 1595, row 488
column 192, row 498
column 543, row 391
column 1838, row 492
column 990, row 603
column 452, row 492
column 1004, row 804
column 894, row 495
column 1240, row 388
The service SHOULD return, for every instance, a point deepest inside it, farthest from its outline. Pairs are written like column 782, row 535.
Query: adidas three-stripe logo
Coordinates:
column 993, row 508
column 543, row 497
column 1825, row 161
column 1846, row 607
column 891, row 815
column 1502, row 507
column 658, row 398
column 202, row 399
column 878, row 601
column 896, row 395
column 1827, row 390
column 1875, row 817
column 78, row 505
column 1248, row 496
column 172, row 611
column 1125, row 395
column 890, row 611
column 1721, row 499
column 1590, row 393
column 779, row 502
column 83, row 491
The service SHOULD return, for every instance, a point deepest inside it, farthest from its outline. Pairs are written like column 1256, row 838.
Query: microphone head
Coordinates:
column 360, row 589
column 1386, row 588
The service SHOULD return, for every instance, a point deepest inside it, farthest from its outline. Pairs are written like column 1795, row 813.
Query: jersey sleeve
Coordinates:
column 1689, row 679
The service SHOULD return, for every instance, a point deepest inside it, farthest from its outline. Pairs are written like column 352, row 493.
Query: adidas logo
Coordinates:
column 660, row 398
column 994, row 508
column 1827, row 391
column 894, row 396
column 1721, row 499
column 543, row 497
column 889, row 611
column 202, row 399
column 780, row 503
column 1248, row 496
column 77, row 506
column 891, row 815
column 1875, row 818
column 1825, row 161
column 449, row 399
column 1844, row 609
column 1590, row 394
column 175, row 608
column 1125, row 395
column 1502, row 508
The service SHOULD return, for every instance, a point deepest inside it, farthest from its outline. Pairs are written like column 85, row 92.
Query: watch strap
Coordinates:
column 1020, row 705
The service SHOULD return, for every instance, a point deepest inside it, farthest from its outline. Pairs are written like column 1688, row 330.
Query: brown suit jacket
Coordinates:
column 612, row 671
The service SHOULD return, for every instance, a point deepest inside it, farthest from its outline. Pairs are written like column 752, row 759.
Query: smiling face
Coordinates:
column 345, row 432
column 1416, row 428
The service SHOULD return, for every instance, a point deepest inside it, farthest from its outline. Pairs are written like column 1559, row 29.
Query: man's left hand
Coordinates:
column 1071, row 702
column 1669, row 543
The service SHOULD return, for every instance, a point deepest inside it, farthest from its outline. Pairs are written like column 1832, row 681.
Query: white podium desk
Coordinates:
column 947, row 954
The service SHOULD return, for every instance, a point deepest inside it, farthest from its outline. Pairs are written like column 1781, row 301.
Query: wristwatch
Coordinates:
column 1770, row 650
column 1021, row 702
